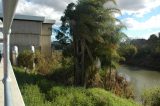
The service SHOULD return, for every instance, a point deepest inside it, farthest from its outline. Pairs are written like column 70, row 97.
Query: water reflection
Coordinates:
column 140, row 78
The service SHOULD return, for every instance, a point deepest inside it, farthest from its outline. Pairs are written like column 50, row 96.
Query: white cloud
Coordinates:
column 52, row 9
column 151, row 23
column 137, row 8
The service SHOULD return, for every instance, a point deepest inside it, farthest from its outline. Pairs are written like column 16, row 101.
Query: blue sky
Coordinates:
column 142, row 17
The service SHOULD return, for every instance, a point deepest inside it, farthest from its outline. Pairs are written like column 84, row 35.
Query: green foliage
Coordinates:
column 148, row 52
column 127, row 51
column 43, row 65
column 104, row 98
column 96, row 37
column 46, row 65
column 65, row 73
column 69, row 96
column 151, row 97
column 32, row 96
column 117, row 84
column 38, row 91
column 26, row 59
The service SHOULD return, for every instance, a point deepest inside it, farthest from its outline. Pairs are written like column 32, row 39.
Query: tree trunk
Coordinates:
column 82, row 63
column 110, row 70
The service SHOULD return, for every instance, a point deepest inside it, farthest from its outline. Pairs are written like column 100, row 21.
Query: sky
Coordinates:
column 142, row 17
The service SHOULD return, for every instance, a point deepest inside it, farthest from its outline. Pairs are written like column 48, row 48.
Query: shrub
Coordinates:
column 46, row 65
column 38, row 62
column 38, row 91
column 101, row 97
column 45, row 85
column 32, row 95
column 117, row 84
column 55, row 92
column 151, row 97
column 70, row 96
column 25, row 59
column 65, row 73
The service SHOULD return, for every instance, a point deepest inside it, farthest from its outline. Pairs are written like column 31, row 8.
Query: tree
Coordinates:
column 95, row 34
column 127, row 51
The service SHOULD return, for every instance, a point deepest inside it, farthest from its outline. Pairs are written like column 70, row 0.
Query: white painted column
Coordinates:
column 33, row 51
column 14, row 55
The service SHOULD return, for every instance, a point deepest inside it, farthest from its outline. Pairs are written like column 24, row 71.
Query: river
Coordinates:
column 140, row 78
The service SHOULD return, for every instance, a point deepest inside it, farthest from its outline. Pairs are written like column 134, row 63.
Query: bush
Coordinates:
column 38, row 62
column 101, row 97
column 25, row 59
column 46, row 65
column 45, row 85
column 38, row 91
column 151, row 97
column 70, row 96
column 32, row 95
column 65, row 73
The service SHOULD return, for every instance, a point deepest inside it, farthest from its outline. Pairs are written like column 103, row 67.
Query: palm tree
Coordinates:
column 94, row 34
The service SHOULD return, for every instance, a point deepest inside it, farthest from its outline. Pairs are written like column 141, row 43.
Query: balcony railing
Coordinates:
column 13, row 97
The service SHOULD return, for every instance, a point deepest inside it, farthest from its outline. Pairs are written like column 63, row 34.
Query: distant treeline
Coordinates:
column 142, row 52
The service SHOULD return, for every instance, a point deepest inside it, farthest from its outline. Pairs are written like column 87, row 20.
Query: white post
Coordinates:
column 9, row 7
column 14, row 55
column 33, row 51
column 8, row 100
column 6, row 52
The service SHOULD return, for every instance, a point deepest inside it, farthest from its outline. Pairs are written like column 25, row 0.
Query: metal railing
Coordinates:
column 9, row 7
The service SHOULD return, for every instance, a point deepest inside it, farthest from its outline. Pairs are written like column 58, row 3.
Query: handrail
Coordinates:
column 7, row 93
column 9, row 7
column 12, row 94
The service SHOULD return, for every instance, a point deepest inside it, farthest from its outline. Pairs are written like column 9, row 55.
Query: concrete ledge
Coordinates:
column 15, row 91
column 1, row 86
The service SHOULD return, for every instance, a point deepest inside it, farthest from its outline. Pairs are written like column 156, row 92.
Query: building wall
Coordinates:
column 45, row 39
column 25, row 33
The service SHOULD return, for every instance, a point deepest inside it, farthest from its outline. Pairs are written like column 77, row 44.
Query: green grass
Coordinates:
column 38, row 91
column 151, row 97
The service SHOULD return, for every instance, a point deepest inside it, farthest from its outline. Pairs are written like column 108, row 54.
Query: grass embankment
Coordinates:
column 38, row 91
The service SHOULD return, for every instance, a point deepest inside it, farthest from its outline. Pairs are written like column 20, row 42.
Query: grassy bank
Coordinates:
column 38, row 91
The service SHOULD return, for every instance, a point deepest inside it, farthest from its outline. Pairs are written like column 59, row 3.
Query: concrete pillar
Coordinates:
column 14, row 55
column 33, row 51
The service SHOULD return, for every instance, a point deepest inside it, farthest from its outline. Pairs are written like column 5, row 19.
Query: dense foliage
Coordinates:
column 26, row 59
column 37, row 90
column 94, row 35
column 38, row 63
column 141, row 52
column 151, row 97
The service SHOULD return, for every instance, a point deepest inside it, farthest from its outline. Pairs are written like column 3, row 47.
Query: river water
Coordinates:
column 140, row 78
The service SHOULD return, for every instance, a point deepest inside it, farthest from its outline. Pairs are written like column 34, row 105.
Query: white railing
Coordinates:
column 12, row 95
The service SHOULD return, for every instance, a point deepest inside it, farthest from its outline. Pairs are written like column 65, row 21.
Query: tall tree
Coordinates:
column 95, row 34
